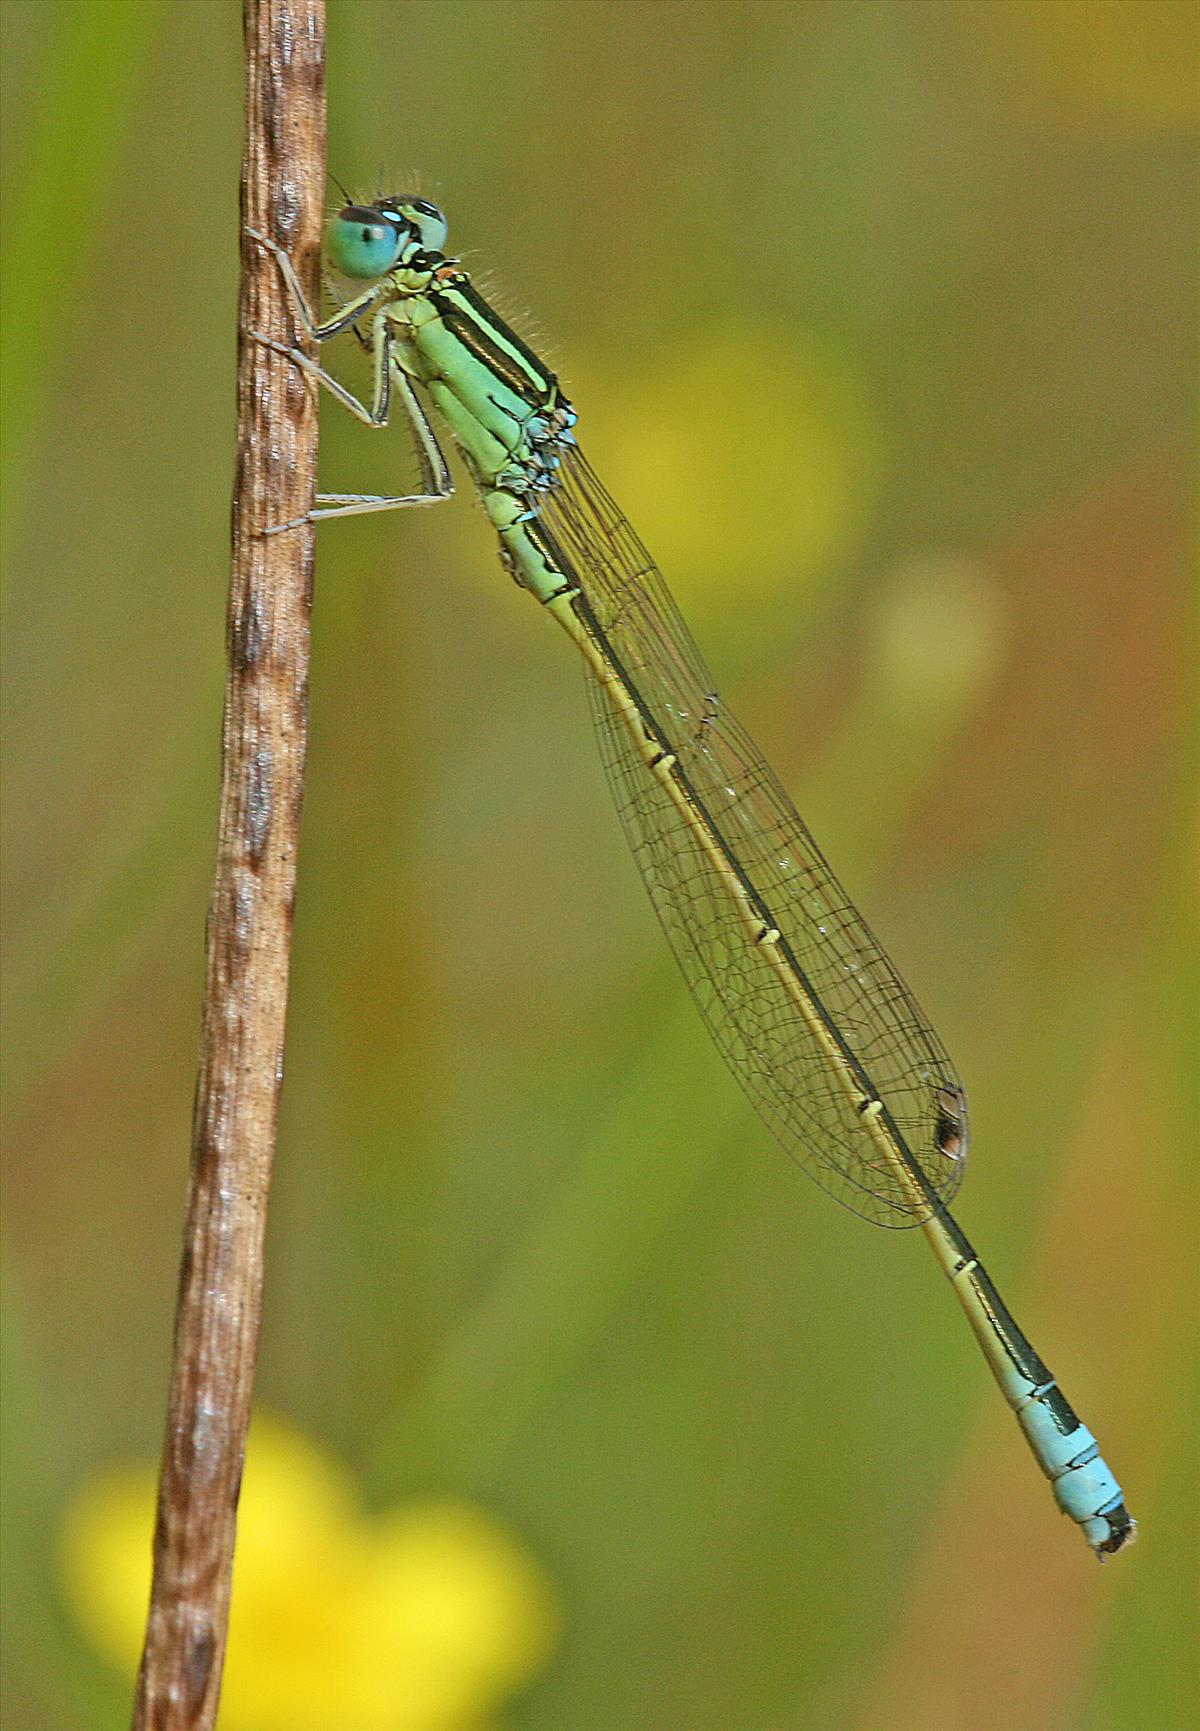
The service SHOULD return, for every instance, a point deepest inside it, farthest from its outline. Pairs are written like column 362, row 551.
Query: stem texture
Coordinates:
column 263, row 742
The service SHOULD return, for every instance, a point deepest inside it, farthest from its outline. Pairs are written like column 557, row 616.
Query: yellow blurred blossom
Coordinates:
column 934, row 641
column 937, row 634
column 423, row 1618
column 746, row 455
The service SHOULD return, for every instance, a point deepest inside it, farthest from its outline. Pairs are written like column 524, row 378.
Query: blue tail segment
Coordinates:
column 1084, row 1485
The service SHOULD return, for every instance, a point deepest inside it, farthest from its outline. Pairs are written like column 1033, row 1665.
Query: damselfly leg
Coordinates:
column 388, row 374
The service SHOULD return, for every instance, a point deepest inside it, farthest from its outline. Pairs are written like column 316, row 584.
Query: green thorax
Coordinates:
column 504, row 408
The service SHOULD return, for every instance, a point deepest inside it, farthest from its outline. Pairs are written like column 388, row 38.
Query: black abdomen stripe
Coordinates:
column 472, row 322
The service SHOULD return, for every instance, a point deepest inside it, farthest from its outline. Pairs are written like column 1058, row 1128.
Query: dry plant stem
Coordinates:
column 250, row 914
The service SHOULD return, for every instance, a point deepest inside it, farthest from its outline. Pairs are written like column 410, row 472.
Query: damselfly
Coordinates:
column 809, row 1012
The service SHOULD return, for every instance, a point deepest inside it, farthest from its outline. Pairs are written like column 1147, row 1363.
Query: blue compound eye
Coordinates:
column 364, row 242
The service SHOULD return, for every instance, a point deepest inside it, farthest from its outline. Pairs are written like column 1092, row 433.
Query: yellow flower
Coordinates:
column 424, row 1618
column 747, row 455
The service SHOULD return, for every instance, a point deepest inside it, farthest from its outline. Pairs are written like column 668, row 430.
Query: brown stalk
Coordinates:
column 263, row 742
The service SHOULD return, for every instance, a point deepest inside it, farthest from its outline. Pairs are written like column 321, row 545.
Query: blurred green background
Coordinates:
column 879, row 317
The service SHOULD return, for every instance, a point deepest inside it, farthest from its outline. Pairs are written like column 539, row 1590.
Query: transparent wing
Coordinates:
column 754, row 1019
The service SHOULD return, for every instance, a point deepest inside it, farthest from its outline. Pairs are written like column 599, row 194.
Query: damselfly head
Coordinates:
column 424, row 218
column 369, row 240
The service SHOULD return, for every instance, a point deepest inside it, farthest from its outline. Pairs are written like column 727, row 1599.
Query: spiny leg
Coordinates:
column 435, row 472
column 343, row 318
column 374, row 416
column 431, row 459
